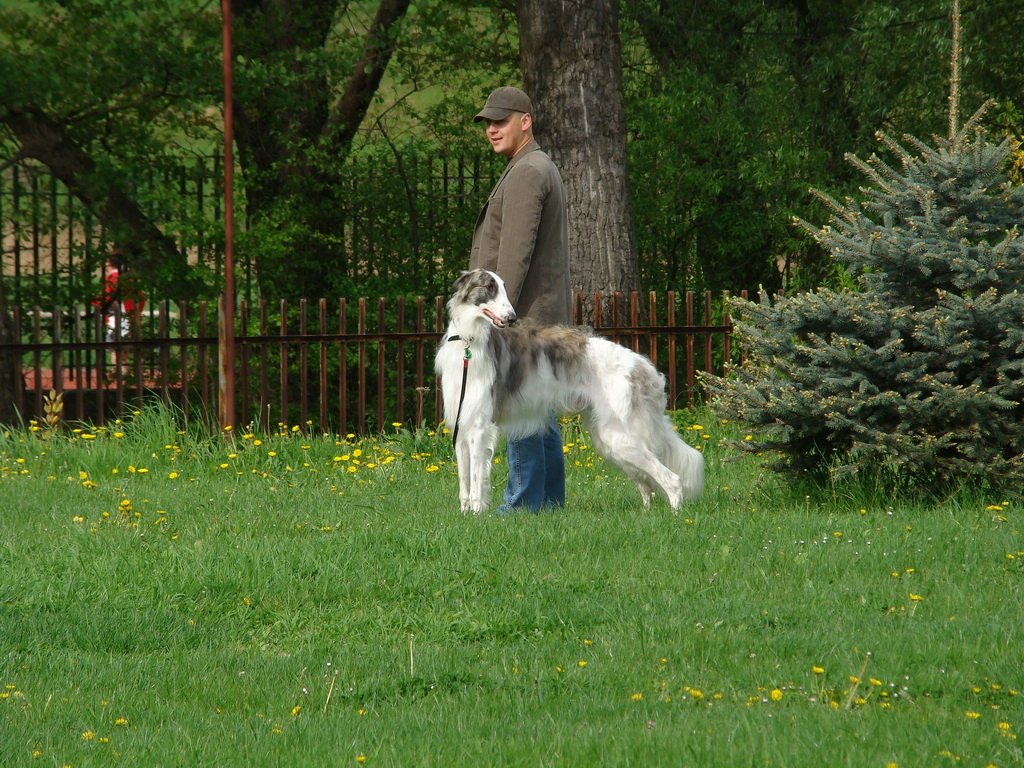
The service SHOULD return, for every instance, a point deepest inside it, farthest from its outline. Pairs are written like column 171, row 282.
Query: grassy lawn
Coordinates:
column 172, row 599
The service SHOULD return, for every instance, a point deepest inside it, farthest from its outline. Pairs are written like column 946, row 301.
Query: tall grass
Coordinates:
column 286, row 599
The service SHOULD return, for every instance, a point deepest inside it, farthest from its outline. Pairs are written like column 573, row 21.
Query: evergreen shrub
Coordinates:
column 916, row 372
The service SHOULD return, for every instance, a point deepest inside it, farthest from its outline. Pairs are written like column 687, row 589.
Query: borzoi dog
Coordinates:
column 496, row 373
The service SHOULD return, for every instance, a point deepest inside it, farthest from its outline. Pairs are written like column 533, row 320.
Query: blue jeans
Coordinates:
column 536, row 472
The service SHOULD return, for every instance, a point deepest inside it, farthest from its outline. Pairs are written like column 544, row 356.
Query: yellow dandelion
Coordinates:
column 916, row 598
column 581, row 663
column 776, row 694
column 637, row 697
column 972, row 715
column 296, row 710
column 818, row 670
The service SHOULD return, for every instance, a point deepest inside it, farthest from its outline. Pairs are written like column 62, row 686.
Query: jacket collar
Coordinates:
column 529, row 147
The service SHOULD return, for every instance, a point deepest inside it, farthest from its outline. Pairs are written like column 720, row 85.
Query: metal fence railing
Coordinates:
column 53, row 246
column 339, row 366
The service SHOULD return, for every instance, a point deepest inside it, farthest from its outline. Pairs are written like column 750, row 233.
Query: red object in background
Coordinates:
column 114, row 291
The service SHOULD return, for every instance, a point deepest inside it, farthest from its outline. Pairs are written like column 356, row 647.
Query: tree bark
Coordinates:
column 570, row 54
column 146, row 250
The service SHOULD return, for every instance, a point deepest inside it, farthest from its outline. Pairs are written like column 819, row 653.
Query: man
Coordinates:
column 522, row 234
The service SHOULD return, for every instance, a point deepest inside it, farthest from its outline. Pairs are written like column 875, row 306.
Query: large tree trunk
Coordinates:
column 571, row 60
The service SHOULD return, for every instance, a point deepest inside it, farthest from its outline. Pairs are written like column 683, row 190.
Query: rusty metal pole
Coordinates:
column 226, row 315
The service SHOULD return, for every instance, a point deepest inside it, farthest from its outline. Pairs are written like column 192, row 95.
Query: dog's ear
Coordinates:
column 461, row 280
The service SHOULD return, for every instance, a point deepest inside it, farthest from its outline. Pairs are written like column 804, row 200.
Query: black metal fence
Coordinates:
column 414, row 207
column 339, row 366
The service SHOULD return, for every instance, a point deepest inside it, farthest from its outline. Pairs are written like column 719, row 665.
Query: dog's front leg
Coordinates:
column 480, row 443
column 464, row 461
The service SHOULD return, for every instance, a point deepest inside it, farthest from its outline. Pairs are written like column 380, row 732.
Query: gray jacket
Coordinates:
column 522, row 234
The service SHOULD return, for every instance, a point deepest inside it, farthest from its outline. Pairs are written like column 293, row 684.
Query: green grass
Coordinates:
column 309, row 601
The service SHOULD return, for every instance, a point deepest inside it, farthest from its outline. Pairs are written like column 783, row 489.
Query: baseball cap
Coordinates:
column 502, row 102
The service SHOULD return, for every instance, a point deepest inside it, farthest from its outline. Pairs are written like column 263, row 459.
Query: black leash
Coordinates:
column 462, row 394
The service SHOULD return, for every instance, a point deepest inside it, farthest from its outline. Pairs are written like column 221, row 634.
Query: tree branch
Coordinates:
column 349, row 110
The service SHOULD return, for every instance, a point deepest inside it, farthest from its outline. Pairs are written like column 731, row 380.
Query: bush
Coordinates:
column 919, row 369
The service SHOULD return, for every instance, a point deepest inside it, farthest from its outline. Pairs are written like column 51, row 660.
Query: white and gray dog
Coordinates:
column 496, row 372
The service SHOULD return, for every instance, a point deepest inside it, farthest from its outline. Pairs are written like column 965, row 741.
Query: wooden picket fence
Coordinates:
column 347, row 366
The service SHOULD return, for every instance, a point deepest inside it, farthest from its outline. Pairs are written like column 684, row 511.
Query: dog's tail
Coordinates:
column 683, row 459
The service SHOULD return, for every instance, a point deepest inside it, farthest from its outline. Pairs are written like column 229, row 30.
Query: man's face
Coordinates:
column 510, row 134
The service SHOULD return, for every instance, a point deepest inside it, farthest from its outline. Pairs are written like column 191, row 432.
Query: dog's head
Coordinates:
column 482, row 293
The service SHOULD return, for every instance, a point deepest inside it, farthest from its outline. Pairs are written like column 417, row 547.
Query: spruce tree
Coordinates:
column 918, row 369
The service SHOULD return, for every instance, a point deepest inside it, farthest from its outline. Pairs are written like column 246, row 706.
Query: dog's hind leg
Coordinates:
column 629, row 453
column 646, row 491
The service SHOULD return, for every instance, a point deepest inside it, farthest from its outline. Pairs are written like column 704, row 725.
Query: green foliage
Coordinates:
column 918, row 374
column 736, row 106
column 733, row 107
column 121, row 91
